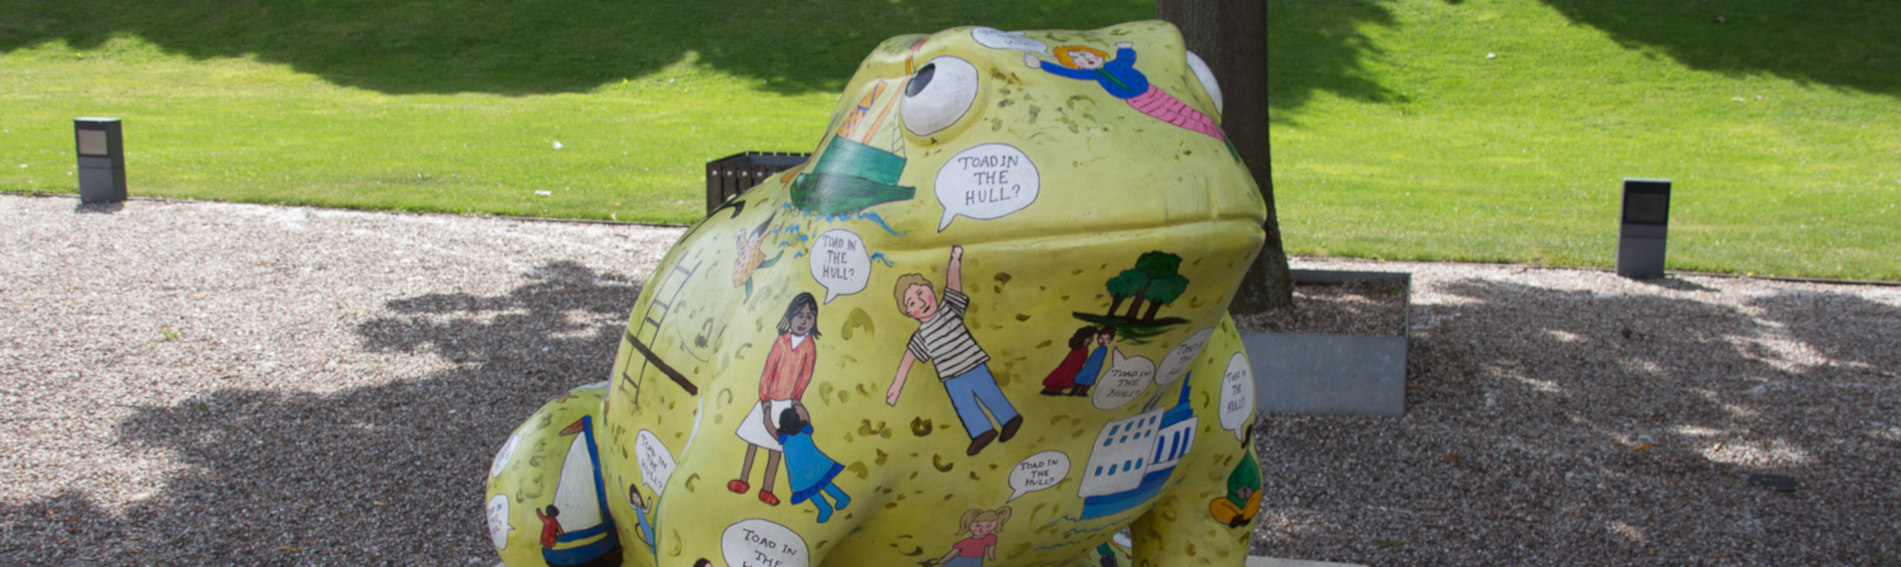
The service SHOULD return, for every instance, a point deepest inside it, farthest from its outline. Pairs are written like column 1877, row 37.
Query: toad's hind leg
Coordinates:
column 1180, row 531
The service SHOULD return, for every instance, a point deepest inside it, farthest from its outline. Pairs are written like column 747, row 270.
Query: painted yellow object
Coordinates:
column 983, row 325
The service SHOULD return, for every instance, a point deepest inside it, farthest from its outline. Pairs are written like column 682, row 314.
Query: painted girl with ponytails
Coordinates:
column 981, row 526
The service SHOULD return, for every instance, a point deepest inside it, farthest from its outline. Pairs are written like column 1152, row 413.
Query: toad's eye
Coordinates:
column 939, row 93
column 1207, row 78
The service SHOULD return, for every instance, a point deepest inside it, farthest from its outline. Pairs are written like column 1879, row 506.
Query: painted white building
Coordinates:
column 1134, row 456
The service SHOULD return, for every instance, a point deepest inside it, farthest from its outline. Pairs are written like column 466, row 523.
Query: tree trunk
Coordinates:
column 1133, row 308
column 1114, row 304
column 1231, row 36
column 1149, row 317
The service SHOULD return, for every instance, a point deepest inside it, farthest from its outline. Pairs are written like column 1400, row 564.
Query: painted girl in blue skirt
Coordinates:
column 809, row 470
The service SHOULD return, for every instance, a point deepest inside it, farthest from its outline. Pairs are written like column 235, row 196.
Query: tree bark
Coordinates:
column 1231, row 36
column 1134, row 308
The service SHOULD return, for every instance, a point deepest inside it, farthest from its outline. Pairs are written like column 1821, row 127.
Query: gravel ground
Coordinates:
column 1564, row 417
column 214, row 384
column 1353, row 308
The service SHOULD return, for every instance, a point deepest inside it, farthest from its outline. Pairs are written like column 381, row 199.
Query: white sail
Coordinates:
column 574, row 494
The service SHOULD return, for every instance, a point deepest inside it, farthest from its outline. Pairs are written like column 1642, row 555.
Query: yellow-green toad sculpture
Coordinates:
column 983, row 325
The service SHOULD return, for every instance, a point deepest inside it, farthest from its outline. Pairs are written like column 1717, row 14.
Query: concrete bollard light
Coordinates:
column 101, row 148
column 1645, row 218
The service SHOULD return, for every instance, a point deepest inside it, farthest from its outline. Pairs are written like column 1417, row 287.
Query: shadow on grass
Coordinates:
column 514, row 47
column 272, row 474
column 1602, row 437
column 1315, row 47
column 1845, row 44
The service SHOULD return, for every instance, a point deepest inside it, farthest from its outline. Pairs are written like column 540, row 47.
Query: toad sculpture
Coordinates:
column 983, row 325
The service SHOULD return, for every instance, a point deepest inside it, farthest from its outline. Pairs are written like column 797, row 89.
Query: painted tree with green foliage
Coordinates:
column 1162, row 292
column 1124, row 286
column 1156, row 266
column 1153, row 281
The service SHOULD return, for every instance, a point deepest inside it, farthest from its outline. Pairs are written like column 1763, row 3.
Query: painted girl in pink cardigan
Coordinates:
column 788, row 370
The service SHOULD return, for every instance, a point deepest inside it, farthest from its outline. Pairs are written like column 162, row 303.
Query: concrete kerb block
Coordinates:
column 1327, row 374
column 1259, row 561
column 1253, row 561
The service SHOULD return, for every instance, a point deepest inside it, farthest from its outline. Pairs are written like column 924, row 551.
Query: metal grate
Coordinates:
column 732, row 175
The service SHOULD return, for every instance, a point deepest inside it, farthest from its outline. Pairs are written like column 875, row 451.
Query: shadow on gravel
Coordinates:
column 326, row 455
column 1674, row 284
column 1856, row 334
column 98, row 208
column 1599, row 437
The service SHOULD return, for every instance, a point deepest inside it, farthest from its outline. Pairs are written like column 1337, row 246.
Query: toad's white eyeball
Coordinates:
column 938, row 95
column 1207, row 78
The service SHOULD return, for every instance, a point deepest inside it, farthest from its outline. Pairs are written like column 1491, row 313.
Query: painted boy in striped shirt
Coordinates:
column 943, row 340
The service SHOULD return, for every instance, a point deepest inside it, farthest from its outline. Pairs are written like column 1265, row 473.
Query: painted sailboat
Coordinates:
column 849, row 174
column 588, row 536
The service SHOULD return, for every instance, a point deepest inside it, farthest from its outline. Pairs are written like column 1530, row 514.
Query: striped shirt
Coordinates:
column 945, row 342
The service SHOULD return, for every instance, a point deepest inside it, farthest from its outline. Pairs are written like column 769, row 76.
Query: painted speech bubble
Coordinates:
column 656, row 462
column 839, row 263
column 1184, row 354
column 498, row 527
column 1126, row 378
column 986, row 182
column 998, row 39
column 761, row 543
column 1237, row 395
column 503, row 456
column 1038, row 472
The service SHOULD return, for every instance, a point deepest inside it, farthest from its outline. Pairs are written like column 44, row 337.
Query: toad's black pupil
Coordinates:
column 921, row 80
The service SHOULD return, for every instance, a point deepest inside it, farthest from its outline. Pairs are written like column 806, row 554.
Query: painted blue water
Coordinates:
column 1099, row 506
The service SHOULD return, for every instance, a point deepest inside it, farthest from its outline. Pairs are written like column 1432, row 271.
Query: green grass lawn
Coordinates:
column 1491, row 130
column 449, row 105
column 240, row 130
column 1499, row 130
